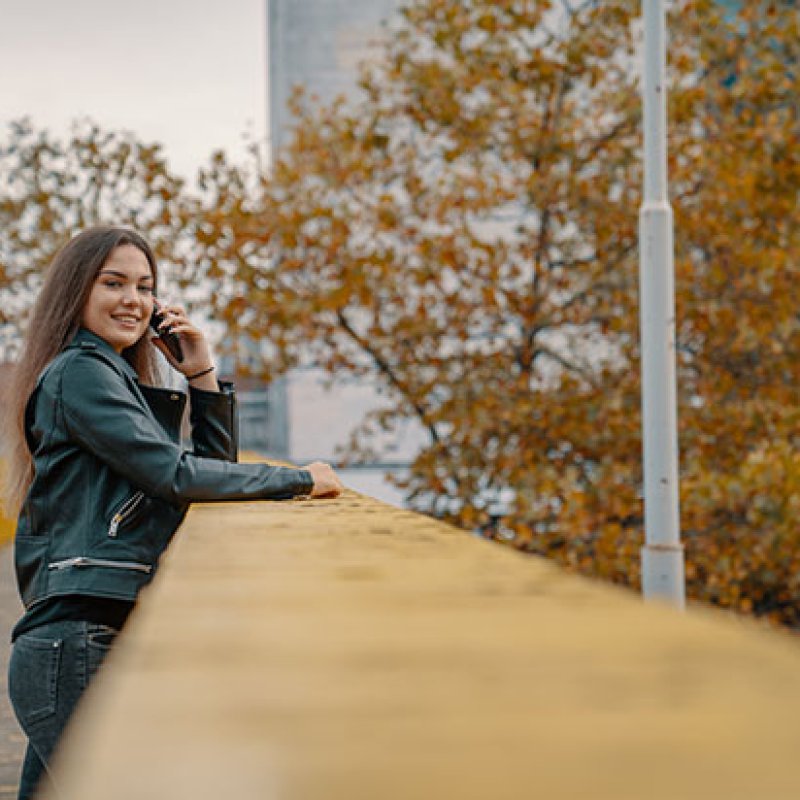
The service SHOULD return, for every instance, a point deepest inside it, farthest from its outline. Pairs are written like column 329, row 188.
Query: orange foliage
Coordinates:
column 467, row 233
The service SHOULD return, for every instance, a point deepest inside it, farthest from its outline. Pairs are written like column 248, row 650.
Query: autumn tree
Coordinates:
column 739, row 328
column 466, row 236
column 50, row 189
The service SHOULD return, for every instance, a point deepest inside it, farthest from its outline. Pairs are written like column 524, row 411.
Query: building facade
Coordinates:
column 319, row 44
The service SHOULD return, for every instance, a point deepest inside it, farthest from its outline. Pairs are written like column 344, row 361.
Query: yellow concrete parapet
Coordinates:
column 343, row 650
column 7, row 524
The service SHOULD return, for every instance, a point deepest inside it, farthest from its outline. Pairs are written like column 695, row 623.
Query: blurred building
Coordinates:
column 319, row 44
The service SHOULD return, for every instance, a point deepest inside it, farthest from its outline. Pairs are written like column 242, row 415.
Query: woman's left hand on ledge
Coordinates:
column 326, row 481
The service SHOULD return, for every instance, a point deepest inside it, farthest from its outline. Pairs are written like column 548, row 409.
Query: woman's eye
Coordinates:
column 113, row 284
column 146, row 289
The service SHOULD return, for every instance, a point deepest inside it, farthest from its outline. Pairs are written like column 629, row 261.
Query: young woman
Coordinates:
column 98, row 473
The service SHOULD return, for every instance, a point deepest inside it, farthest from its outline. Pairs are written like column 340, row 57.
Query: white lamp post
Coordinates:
column 662, row 554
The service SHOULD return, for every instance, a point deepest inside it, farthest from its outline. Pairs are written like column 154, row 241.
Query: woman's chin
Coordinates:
column 120, row 341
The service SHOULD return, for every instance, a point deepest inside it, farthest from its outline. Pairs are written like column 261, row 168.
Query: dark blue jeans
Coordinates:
column 50, row 668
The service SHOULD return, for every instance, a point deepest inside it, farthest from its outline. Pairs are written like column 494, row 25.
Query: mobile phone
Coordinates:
column 171, row 340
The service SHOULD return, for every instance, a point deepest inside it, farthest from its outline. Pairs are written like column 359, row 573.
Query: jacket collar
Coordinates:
column 91, row 341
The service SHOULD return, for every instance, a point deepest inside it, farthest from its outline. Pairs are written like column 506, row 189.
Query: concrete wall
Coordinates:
column 345, row 650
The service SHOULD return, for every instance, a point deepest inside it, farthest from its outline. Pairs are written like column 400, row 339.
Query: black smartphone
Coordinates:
column 171, row 340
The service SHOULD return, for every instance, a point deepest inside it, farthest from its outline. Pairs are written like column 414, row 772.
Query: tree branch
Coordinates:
column 385, row 369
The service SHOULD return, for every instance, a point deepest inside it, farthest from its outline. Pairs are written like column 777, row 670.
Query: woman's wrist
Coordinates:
column 201, row 373
column 204, row 379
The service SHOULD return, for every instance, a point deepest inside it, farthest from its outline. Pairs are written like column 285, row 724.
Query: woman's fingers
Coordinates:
column 173, row 315
column 326, row 481
column 176, row 312
column 184, row 327
column 175, row 320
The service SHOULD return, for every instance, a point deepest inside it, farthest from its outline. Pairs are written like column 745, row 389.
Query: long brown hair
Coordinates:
column 54, row 321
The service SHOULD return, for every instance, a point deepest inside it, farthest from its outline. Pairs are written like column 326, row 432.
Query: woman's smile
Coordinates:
column 127, row 321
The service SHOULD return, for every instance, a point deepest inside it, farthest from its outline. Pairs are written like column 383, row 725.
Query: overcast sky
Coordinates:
column 188, row 73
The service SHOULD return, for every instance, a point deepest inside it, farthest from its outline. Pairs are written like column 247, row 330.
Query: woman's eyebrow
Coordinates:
column 123, row 275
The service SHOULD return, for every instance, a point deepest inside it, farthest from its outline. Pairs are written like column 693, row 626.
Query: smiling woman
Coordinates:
column 98, row 472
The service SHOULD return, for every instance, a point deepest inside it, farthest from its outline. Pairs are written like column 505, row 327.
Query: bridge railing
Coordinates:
column 346, row 649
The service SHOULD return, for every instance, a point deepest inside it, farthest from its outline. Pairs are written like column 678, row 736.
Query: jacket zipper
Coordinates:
column 125, row 510
column 85, row 561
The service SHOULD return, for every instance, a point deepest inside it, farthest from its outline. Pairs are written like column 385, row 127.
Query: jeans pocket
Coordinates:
column 101, row 636
column 33, row 678
column 99, row 639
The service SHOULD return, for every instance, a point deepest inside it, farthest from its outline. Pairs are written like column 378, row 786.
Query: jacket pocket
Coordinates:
column 125, row 513
column 78, row 562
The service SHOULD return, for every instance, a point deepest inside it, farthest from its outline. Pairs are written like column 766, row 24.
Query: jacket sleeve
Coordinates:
column 105, row 417
column 213, row 420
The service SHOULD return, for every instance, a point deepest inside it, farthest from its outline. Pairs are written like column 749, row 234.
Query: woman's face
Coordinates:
column 121, row 302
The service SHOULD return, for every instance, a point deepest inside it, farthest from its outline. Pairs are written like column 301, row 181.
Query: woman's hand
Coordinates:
column 326, row 481
column 196, row 352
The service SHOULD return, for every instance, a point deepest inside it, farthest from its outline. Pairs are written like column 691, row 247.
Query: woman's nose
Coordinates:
column 131, row 296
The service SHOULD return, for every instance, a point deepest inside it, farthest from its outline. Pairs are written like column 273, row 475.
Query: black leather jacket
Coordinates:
column 112, row 482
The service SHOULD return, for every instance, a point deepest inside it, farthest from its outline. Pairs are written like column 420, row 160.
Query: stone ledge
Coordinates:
column 344, row 649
